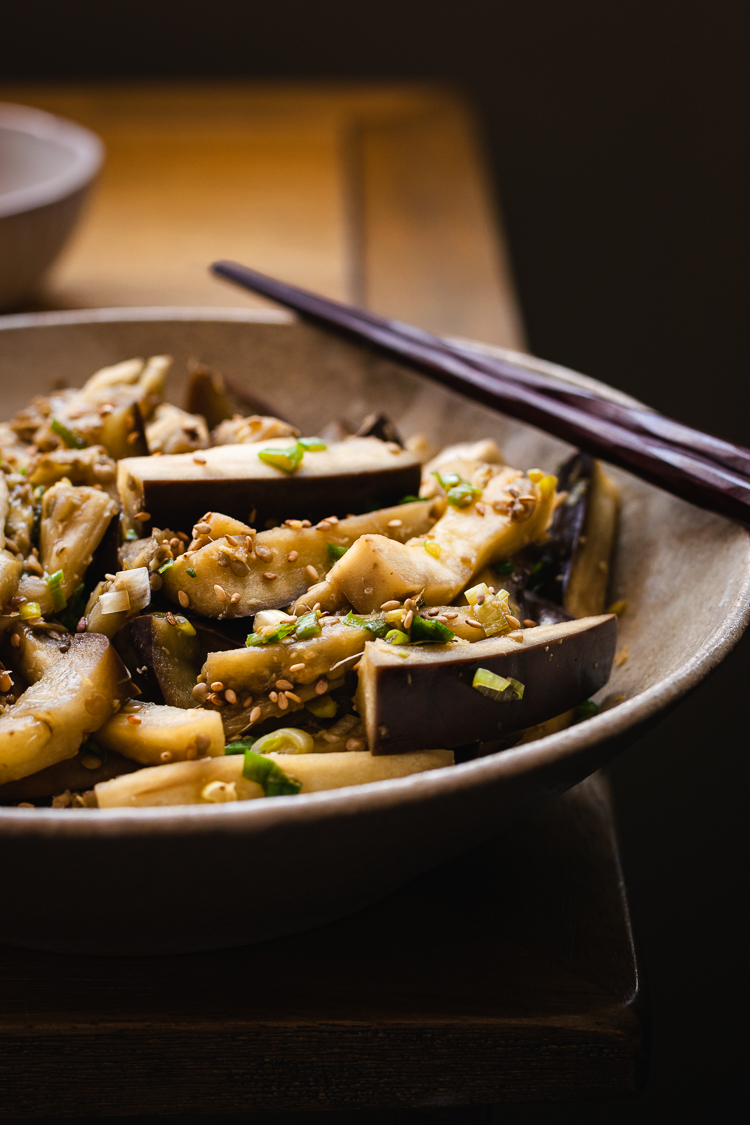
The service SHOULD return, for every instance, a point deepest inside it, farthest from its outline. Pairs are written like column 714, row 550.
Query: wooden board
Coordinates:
column 507, row 975
column 370, row 194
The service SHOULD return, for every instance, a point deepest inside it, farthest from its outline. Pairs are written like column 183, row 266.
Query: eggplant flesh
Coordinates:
column 353, row 475
column 416, row 698
column 277, row 566
column 163, row 655
column 150, row 733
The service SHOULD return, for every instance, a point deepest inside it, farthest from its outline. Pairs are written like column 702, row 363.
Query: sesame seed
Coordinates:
column 262, row 552
column 199, row 460
column 306, row 523
column 513, row 621
column 450, row 616
column 134, row 719
column 217, row 685
column 283, row 702
column 292, row 696
column 221, row 593
column 216, row 700
column 222, row 558
column 322, row 686
column 293, row 523
column 171, row 619
column 231, row 696
column 5, row 682
column 480, row 508
column 201, row 529
column 395, row 523
column 316, row 607
column 247, row 701
column 269, row 575
column 202, row 742
column 292, row 556
column 81, row 626
column 200, row 692
column 433, row 612
column 255, row 714
column 474, row 624
column 312, row 573
column 441, row 618
column 355, row 744
column 392, row 604
column 480, row 598
column 283, row 685
column 166, row 755
column 408, row 619
column 273, row 696
column 234, row 599
column 131, row 439
column 239, row 567
column 143, row 516
column 516, row 637
column 183, row 599
column 324, row 525
column 296, row 667
column 89, row 762
column 528, row 623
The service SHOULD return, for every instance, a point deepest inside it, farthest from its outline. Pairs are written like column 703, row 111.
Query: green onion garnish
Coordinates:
column 71, row 440
column 462, row 495
column 239, row 745
column 396, row 637
column 55, row 579
column 272, row 779
column 322, row 706
column 312, row 444
column 433, row 632
column 502, row 568
column 448, row 480
column 585, row 710
column 131, row 534
column 59, row 601
column 190, row 572
column 378, row 626
column 409, row 499
column 288, row 460
column 497, row 688
column 281, row 631
column 307, row 626
column 167, row 565
column 335, row 551
column 29, row 610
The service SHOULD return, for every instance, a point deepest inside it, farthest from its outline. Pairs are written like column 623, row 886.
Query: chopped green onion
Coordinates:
column 288, row 460
column 502, row 568
column 167, row 566
column 378, row 626
column 281, row 631
column 184, row 625
column 585, row 710
column 312, row 444
column 269, row 776
column 448, row 480
column 23, row 472
column 71, row 440
column 131, row 534
column 240, row 745
column 55, row 579
column 497, row 688
column 59, row 601
column 396, row 637
column 30, row 610
column 432, row 548
column 307, row 626
column 285, row 740
column 463, row 495
column 335, row 551
column 322, row 706
column 409, row 499
column 190, row 572
column 424, row 629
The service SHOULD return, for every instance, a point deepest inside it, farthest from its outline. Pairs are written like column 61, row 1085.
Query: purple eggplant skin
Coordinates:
column 425, row 699
column 379, row 426
column 177, row 503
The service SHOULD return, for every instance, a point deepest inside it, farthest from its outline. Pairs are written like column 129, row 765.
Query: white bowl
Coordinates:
column 168, row 880
column 47, row 166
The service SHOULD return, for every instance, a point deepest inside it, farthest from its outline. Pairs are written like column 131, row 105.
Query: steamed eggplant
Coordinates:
column 411, row 697
column 234, row 479
column 164, row 652
column 151, row 733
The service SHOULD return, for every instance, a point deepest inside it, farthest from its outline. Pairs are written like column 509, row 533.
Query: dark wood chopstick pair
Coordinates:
column 703, row 469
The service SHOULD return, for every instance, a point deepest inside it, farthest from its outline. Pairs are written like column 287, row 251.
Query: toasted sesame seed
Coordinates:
column 199, row 460
column 283, row 702
column 273, row 696
column 255, row 714
column 134, row 719
column 201, row 529
column 516, row 637
column 131, row 439
column 296, row 667
column 171, row 619
column 217, row 685
column 89, row 762
column 392, row 604
column 230, row 696
column 450, row 616
column 316, row 607
column 480, row 598
column 513, row 621
column 262, row 552
column 395, row 523
column 441, row 618
column 216, row 699
column 200, row 692
column 247, row 701
column 528, row 623
column 269, row 575
column 183, row 599
column 322, row 686
column 324, row 525
column 202, row 742
column 222, row 558
column 283, row 685
column 221, row 593
column 312, row 573
column 408, row 619
column 292, row 556
column 291, row 695
column 6, row 682
column 355, row 744
column 166, row 755
column 306, row 523
column 293, row 523
column 234, row 599
column 239, row 567
column 480, row 508
column 143, row 516
column 474, row 624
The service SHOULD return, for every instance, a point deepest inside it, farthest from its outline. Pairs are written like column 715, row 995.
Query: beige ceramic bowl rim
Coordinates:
column 85, row 146
column 256, row 815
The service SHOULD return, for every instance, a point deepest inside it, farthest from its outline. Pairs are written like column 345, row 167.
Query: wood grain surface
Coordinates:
column 371, row 194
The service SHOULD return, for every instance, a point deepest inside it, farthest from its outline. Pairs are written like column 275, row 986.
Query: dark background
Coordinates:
column 616, row 135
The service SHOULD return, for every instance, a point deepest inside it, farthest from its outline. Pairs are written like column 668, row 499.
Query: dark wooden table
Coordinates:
column 508, row 975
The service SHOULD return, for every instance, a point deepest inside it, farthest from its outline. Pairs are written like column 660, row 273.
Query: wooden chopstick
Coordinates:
column 699, row 468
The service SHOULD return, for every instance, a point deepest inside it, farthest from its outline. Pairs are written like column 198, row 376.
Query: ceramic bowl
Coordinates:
column 47, row 166
column 138, row 881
